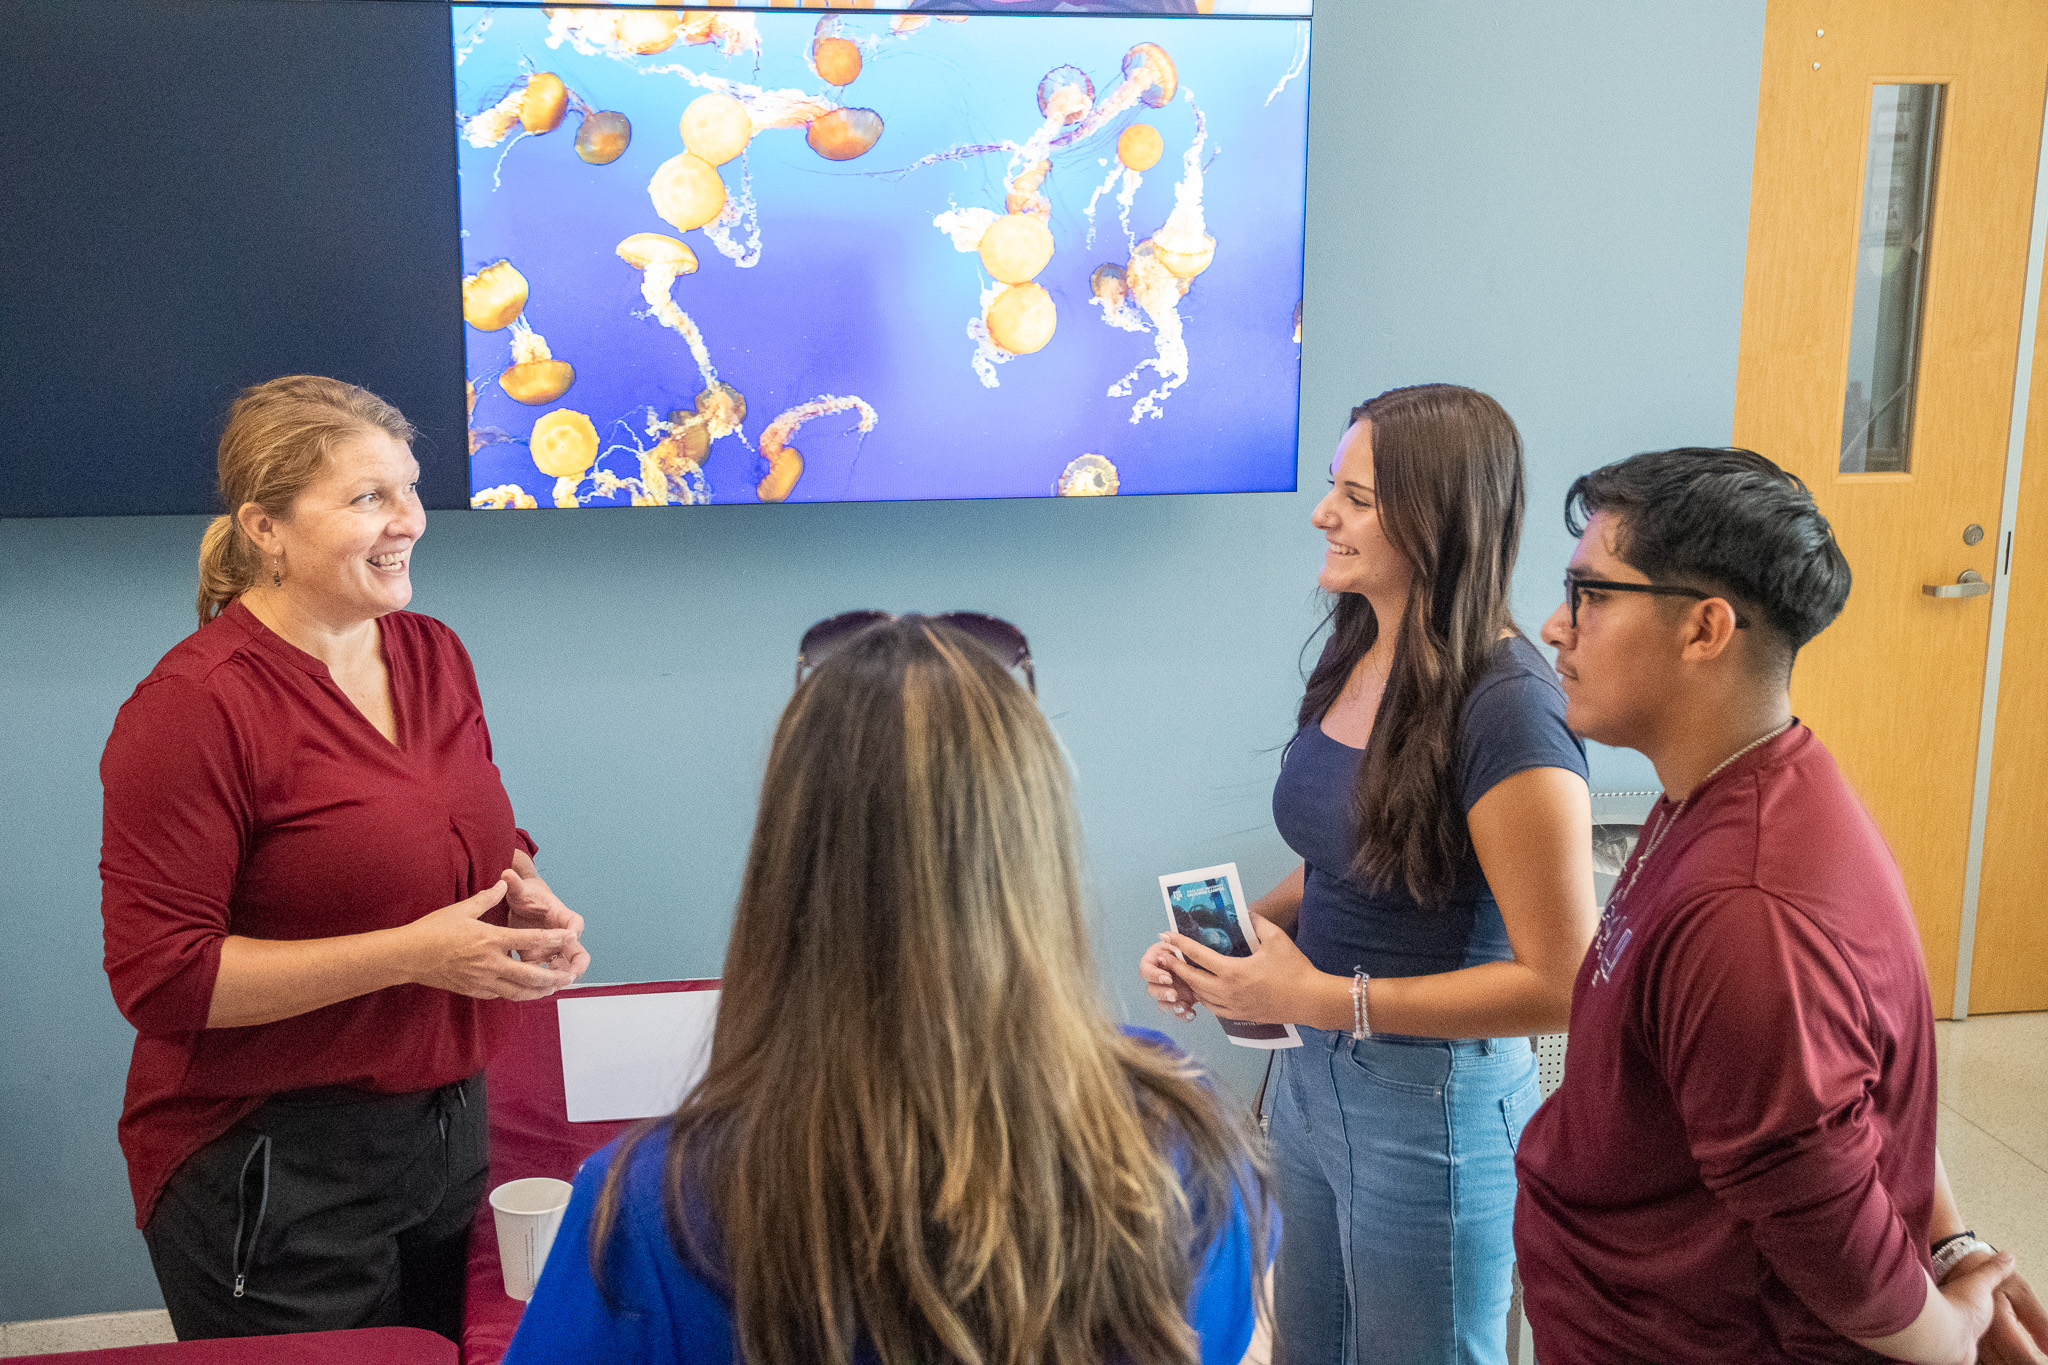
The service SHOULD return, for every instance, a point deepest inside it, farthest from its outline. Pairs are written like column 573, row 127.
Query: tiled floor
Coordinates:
column 1994, row 1131
column 93, row 1332
column 1994, row 1140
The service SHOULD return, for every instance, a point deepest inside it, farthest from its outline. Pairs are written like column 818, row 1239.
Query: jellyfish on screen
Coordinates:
column 673, row 216
column 1020, row 317
column 785, row 462
column 1086, row 476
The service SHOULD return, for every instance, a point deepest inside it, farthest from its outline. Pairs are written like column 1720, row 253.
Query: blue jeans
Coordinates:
column 1395, row 1173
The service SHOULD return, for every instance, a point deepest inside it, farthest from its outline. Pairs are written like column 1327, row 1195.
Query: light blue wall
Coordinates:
column 1548, row 202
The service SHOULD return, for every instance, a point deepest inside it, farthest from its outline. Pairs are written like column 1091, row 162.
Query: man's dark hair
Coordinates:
column 1728, row 522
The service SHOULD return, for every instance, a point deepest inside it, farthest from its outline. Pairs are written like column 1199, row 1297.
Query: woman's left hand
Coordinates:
column 532, row 904
column 1272, row 986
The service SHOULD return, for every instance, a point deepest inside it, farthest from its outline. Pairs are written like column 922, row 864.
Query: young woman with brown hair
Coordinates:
column 1443, row 903
column 921, row 1136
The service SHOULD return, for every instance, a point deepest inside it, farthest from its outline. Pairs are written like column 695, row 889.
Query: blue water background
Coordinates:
column 856, row 292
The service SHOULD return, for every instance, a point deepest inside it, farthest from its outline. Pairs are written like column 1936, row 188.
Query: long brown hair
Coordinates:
column 1447, row 475
column 275, row 445
column 920, row 1128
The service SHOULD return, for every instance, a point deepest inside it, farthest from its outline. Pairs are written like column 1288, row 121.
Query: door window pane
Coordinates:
column 1891, row 274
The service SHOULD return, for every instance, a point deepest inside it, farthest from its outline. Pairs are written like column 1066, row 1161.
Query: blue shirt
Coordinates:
column 1513, row 721
column 674, row 1316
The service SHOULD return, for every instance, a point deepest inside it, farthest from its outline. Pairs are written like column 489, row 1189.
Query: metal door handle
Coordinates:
column 1967, row 584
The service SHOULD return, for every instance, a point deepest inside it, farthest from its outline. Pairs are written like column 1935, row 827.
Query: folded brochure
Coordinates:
column 1208, row 906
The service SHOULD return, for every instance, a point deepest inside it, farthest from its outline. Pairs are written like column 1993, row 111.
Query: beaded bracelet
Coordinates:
column 1360, row 1028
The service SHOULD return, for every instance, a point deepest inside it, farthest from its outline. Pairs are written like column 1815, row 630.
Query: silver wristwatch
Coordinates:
column 1954, row 1250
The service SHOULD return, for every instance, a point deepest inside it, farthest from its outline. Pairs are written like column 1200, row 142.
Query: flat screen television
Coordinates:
column 729, row 255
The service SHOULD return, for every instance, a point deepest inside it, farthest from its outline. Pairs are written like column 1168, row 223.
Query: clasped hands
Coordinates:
column 1269, row 987
column 536, row 953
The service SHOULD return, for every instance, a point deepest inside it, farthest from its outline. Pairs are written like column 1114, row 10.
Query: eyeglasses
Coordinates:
column 1574, row 586
column 993, row 633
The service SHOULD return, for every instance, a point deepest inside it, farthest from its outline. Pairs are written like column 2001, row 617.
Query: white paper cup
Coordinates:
column 527, row 1213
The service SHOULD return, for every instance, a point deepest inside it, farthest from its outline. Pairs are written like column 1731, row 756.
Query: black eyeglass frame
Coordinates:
column 1574, row 585
column 986, row 631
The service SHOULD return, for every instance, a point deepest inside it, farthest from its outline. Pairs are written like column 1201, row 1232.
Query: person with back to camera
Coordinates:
column 1740, row 1163
column 921, row 1137
column 303, row 833
column 1443, row 903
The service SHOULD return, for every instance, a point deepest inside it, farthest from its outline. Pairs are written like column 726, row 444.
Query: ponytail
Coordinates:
column 275, row 445
column 226, row 566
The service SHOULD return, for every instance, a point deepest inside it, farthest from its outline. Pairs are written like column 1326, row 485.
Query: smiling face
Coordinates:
column 1359, row 557
column 347, row 549
column 1618, row 666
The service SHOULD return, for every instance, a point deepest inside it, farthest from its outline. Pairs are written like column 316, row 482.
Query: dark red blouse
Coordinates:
column 246, row 794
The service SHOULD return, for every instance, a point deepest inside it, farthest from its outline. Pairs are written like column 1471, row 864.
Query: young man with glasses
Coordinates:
column 1741, row 1163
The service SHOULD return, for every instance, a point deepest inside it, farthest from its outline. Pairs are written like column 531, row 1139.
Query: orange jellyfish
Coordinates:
column 836, row 60
column 1087, row 476
column 1015, row 248
column 502, row 496
column 493, row 297
column 721, row 408
column 1066, row 94
column 1183, row 245
column 672, row 471
column 1140, row 147
column 646, row 32
column 659, row 255
column 660, row 259
column 716, row 128
column 845, row 134
column 1148, row 61
column 564, row 443
column 535, row 376
column 603, row 137
column 1106, row 283
column 545, row 101
column 785, row 462
column 1024, row 195
column 1186, row 254
column 686, row 191
column 1021, row 319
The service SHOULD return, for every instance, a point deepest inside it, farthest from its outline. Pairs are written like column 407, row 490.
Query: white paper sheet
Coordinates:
column 633, row 1056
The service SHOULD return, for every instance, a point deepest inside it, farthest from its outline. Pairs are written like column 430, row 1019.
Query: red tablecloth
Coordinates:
column 530, row 1135
column 364, row 1346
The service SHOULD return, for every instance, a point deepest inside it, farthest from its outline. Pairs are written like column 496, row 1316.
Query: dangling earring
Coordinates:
column 276, row 573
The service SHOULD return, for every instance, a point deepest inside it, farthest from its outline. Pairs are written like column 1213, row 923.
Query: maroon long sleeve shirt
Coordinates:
column 1739, row 1164
column 245, row 794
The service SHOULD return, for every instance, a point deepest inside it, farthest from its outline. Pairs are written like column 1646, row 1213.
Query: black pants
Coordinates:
column 326, row 1209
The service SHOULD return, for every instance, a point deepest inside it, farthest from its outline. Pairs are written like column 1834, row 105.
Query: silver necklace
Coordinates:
column 1664, row 825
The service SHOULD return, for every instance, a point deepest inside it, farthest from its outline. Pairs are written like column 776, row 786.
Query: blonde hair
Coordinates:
column 920, row 1128
column 276, row 443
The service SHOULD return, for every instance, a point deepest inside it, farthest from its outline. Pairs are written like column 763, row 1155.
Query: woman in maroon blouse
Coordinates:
column 315, row 896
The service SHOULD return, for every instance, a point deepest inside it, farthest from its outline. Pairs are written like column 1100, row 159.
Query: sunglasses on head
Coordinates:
column 993, row 633
column 1574, row 586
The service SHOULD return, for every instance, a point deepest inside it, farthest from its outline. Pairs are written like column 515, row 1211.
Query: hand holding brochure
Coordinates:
column 1208, row 905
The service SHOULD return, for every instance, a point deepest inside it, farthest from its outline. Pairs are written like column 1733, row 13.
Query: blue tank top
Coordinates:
column 1513, row 721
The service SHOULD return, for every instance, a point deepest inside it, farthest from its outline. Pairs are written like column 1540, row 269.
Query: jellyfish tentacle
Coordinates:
column 785, row 462
column 1299, row 65
column 740, row 212
column 661, row 261
column 1159, row 274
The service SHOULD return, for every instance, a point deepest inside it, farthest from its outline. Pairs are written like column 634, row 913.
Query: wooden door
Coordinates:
column 1894, row 688
column 2009, row 967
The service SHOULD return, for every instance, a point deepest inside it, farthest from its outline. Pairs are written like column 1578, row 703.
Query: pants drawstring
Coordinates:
column 244, row 1258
